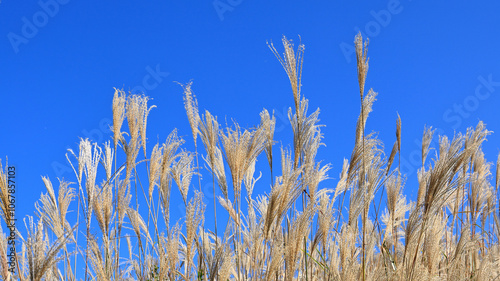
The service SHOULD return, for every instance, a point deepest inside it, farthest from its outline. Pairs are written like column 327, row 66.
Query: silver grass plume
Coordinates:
column 194, row 217
column 41, row 254
column 241, row 148
column 154, row 168
column 292, row 63
column 362, row 61
column 217, row 167
column 191, row 106
column 107, row 160
column 268, row 122
column 119, row 101
column 183, row 171
column 53, row 208
column 4, row 194
column 426, row 141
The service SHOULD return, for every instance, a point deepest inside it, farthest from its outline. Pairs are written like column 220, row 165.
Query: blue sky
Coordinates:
column 433, row 63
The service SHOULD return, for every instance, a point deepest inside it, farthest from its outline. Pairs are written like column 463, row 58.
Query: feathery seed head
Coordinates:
column 367, row 108
column 362, row 61
column 4, row 193
column 216, row 164
column 53, row 209
column 143, row 120
column 194, row 217
column 183, row 171
column 249, row 179
column 103, row 208
column 497, row 173
column 119, row 101
column 92, row 155
column 268, row 123
column 426, row 141
column 241, row 149
column 107, row 160
column 154, row 168
column 123, row 198
column 191, row 106
column 292, row 63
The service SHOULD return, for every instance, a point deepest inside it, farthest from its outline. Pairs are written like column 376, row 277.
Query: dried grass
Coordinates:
column 451, row 232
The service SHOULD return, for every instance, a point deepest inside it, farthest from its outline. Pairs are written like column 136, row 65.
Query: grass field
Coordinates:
column 363, row 228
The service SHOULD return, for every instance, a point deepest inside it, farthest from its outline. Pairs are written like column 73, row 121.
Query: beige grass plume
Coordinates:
column 41, row 254
column 4, row 193
column 191, row 106
column 52, row 208
column 154, row 168
column 119, row 101
column 292, row 63
column 241, row 148
column 268, row 122
column 362, row 61
column 183, row 171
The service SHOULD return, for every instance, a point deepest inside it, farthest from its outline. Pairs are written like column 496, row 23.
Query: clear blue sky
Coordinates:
column 431, row 62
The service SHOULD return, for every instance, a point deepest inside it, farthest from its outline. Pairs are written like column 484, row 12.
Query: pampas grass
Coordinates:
column 301, row 229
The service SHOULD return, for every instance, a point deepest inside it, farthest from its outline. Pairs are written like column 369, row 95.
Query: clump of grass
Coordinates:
column 300, row 230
